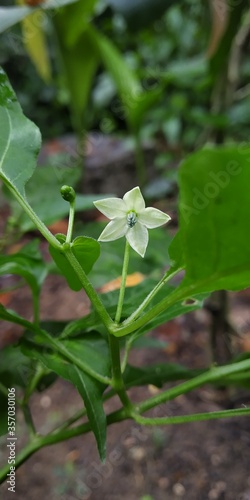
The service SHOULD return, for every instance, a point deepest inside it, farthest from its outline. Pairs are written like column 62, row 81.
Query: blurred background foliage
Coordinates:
column 170, row 71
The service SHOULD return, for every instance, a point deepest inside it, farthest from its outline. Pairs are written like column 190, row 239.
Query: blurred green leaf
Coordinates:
column 157, row 374
column 214, row 208
column 80, row 61
column 34, row 40
column 74, row 19
column 85, row 249
column 27, row 263
column 12, row 15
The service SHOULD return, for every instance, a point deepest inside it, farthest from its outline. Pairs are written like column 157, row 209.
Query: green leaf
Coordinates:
column 85, row 249
column 94, row 351
column 20, row 140
column 157, row 374
column 35, row 43
column 15, row 367
column 175, row 252
column 214, row 210
column 27, row 263
column 74, row 20
column 128, row 86
column 133, row 298
column 80, row 61
column 13, row 317
column 12, row 15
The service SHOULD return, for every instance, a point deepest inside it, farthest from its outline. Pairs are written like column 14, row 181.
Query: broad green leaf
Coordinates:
column 20, row 140
column 27, row 263
column 175, row 252
column 214, row 210
column 85, row 249
column 157, row 374
column 80, row 62
column 94, row 351
column 9, row 16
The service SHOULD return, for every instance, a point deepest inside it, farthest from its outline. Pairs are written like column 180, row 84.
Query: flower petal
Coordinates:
column 137, row 237
column 114, row 230
column 134, row 200
column 152, row 217
column 111, row 207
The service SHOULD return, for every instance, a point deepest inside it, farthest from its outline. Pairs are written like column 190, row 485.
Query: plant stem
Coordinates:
column 34, row 217
column 56, row 437
column 29, row 420
column 167, row 277
column 182, row 419
column 58, row 345
column 89, row 289
column 117, row 380
column 71, row 221
column 123, row 283
column 33, row 381
column 210, row 376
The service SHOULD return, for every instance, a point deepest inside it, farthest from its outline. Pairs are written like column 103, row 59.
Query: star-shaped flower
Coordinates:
column 131, row 219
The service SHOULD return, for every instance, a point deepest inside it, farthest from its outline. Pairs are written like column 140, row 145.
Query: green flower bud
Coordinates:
column 68, row 193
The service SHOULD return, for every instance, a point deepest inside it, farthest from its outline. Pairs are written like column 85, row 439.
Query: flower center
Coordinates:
column 131, row 219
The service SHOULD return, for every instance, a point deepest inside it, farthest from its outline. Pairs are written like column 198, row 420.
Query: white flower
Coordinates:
column 131, row 219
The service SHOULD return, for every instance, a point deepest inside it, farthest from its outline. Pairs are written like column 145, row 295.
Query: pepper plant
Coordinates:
column 211, row 250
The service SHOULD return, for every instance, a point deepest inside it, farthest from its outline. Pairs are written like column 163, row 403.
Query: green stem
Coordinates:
column 210, row 376
column 33, row 381
column 39, row 442
column 34, row 217
column 181, row 293
column 117, row 380
column 167, row 277
column 71, row 221
column 29, row 420
column 182, row 419
column 78, row 362
column 90, row 291
column 123, row 283
column 128, row 346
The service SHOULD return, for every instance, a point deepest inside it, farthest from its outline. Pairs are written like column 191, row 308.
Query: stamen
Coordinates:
column 131, row 219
